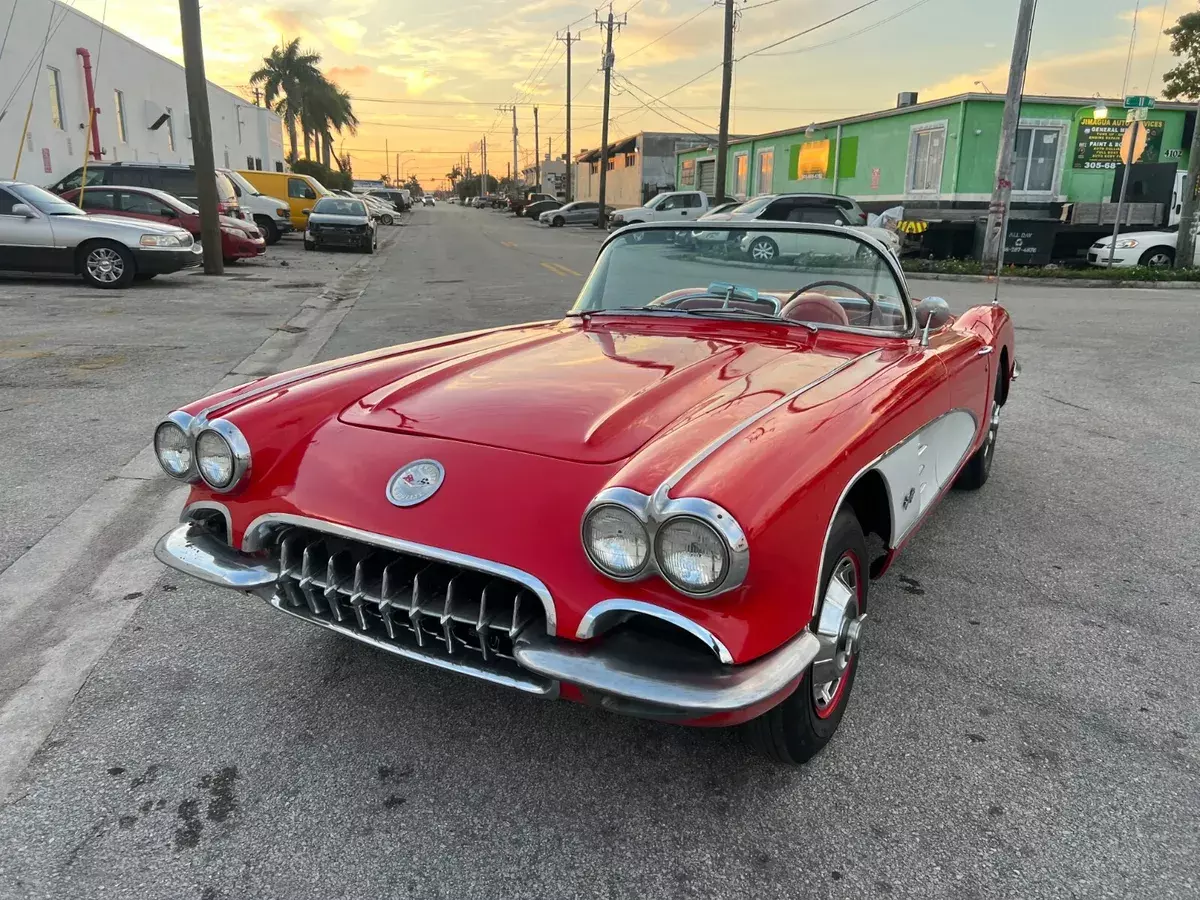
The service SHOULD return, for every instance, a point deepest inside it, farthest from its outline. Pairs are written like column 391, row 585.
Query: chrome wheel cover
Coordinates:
column 839, row 629
column 105, row 265
column 989, row 442
column 762, row 250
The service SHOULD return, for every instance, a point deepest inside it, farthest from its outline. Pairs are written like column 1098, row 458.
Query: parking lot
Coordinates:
column 1025, row 722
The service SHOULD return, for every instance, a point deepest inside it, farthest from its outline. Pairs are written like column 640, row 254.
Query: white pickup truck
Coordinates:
column 673, row 206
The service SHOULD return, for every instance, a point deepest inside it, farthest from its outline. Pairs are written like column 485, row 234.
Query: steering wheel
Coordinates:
column 857, row 290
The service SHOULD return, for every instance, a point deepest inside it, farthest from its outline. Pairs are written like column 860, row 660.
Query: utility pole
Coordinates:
column 483, row 162
column 537, row 154
column 1185, row 248
column 257, row 97
column 397, row 168
column 601, row 218
column 202, row 145
column 568, row 40
column 993, row 247
column 387, row 161
column 726, row 86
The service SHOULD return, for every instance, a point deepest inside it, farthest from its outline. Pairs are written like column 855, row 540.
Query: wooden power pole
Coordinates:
column 993, row 246
column 202, row 144
column 726, row 85
column 608, row 26
column 568, row 40
column 537, row 152
column 1185, row 248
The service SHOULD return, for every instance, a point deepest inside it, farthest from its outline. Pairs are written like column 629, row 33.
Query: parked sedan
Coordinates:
column 581, row 212
column 381, row 211
column 534, row 210
column 341, row 222
column 41, row 232
column 239, row 239
column 1153, row 248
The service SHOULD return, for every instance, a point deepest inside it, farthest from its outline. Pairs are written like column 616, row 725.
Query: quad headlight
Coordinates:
column 217, row 453
column 615, row 541
column 173, row 447
column 691, row 555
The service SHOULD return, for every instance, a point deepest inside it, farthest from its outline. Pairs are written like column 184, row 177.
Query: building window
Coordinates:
column 278, row 167
column 630, row 160
column 56, row 105
column 687, row 173
column 927, row 148
column 1036, row 158
column 765, row 176
column 257, row 164
column 170, row 129
column 741, row 174
column 593, row 167
column 612, row 163
column 119, row 107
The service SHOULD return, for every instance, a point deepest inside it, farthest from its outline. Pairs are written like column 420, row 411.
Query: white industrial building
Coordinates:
column 140, row 97
column 553, row 177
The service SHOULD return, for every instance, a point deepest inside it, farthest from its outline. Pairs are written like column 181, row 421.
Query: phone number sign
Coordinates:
column 1098, row 142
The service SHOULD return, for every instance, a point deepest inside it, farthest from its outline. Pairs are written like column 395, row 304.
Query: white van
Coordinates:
column 272, row 216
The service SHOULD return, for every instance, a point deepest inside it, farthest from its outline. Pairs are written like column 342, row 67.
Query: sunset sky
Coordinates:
column 427, row 76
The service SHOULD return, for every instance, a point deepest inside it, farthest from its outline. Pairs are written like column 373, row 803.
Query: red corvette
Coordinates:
column 669, row 503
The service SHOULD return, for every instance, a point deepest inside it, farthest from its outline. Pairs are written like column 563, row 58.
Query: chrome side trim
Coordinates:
column 196, row 552
column 985, row 351
column 238, row 445
column 188, row 513
column 536, row 686
column 640, row 669
column 1016, row 372
column 609, row 613
column 679, row 474
column 256, row 532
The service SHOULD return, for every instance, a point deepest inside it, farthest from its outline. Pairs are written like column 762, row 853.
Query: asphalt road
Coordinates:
column 1024, row 724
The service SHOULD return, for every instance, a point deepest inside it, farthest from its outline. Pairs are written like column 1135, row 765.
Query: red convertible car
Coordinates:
column 668, row 503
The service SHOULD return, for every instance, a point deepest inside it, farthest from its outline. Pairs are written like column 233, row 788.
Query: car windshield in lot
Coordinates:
column 44, row 201
column 817, row 277
column 336, row 206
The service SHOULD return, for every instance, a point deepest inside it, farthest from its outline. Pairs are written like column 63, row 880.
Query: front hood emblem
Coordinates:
column 416, row 482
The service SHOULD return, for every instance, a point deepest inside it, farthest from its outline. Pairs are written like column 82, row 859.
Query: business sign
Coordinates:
column 1098, row 142
column 687, row 173
column 813, row 160
column 1029, row 242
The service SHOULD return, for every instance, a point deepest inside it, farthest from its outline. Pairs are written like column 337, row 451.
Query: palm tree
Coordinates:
column 333, row 112
column 286, row 75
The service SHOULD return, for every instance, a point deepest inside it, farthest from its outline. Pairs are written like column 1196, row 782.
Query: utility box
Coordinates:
column 1027, row 242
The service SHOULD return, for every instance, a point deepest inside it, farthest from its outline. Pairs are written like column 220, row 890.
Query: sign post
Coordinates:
column 1129, row 157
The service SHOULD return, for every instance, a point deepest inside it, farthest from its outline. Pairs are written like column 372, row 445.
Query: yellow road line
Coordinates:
column 508, row 244
column 570, row 271
column 559, row 269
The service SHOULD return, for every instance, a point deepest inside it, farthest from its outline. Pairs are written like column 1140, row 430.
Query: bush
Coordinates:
column 332, row 179
column 974, row 267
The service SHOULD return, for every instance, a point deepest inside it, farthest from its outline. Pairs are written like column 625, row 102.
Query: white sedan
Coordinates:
column 1137, row 248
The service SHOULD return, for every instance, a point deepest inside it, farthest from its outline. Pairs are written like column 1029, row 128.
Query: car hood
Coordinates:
column 330, row 219
column 142, row 225
column 593, row 393
column 1164, row 237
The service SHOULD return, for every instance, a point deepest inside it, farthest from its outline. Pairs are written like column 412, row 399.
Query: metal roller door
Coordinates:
column 706, row 176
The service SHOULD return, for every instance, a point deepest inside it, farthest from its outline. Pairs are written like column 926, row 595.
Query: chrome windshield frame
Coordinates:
column 748, row 225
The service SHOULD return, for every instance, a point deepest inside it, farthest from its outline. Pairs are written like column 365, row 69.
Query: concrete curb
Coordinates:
column 1059, row 282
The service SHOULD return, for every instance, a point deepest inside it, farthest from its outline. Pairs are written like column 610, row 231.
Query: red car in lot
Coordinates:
column 239, row 239
column 668, row 503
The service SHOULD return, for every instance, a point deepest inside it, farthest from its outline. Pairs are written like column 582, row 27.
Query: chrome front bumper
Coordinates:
column 624, row 670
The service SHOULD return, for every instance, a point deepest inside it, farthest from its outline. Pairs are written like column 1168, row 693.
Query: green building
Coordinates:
column 938, row 160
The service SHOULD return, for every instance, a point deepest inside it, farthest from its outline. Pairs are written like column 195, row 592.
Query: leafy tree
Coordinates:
column 332, row 179
column 1184, row 79
column 414, row 185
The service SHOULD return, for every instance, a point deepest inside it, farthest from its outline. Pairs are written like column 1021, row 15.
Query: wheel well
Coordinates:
column 1004, row 376
column 869, row 501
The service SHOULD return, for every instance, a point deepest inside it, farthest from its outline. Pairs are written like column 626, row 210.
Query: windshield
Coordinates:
column 336, row 206
column 44, row 201
column 241, row 185
column 750, row 207
column 822, row 278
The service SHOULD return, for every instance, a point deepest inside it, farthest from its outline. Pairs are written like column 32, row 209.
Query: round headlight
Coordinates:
column 691, row 555
column 616, row 541
column 173, row 449
column 214, row 458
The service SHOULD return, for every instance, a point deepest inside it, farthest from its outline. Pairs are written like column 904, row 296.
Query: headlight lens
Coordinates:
column 691, row 555
column 616, row 541
column 173, row 449
column 1126, row 244
column 160, row 240
column 214, row 457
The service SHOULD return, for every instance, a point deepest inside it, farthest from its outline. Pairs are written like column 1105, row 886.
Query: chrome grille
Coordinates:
column 420, row 608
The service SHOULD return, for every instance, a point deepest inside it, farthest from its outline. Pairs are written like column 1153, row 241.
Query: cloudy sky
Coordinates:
column 427, row 76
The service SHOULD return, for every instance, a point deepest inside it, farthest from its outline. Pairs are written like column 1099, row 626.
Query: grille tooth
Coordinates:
column 426, row 608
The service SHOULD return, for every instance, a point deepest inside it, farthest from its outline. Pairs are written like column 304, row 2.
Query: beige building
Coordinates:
column 639, row 167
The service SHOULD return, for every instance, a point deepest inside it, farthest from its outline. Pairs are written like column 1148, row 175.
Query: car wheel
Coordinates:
column 106, row 264
column 796, row 730
column 269, row 229
column 386, row 219
column 1158, row 257
column 764, row 250
column 309, row 245
column 974, row 474
column 558, row 222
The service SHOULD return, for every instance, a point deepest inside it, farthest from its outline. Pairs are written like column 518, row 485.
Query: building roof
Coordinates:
column 946, row 101
column 629, row 144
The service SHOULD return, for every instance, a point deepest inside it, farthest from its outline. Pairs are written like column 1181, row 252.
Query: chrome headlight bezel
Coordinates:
column 656, row 512
column 672, row 576
column 593, row 556
column 1126, row 243
column 182, row 421
column 239, row 451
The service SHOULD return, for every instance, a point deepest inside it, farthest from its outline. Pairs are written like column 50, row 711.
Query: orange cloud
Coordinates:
column 348, row 75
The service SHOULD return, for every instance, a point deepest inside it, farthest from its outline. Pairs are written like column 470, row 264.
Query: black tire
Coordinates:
column 369, row 248
column 121, row 268
column 309, row 245
column 763, row 249
column 1158, row 258
column 268, row 228
column 386, row 219
column 558, row 222
column 974, row 474
column 795, row 730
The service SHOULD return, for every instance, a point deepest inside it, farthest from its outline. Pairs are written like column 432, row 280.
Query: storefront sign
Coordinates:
column 1098, row 142
column 813, row 161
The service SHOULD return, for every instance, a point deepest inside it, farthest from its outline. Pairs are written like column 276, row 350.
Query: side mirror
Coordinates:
column 306, row 212
column 22, row 209
column 932, row 314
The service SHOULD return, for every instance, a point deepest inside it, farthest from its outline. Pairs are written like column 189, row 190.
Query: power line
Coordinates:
column 642, row 90
column 846, row 37
column 809, row 30
column 686, row 21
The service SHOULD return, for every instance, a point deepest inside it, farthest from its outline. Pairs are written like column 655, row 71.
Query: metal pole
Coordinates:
column 726, row 85
column 513, row 181
column 202, row 147
column 1133, row 136
column 569, row 41
column 601, row 218
column 1185, row 248
column 537, row 153
column 1002, row 192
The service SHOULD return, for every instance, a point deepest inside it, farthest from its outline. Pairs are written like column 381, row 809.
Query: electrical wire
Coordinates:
column 809, row 30
column 846, row 37
column 686, row 21
column 642, row 90
column 8, row 28
column 1132, row 43
column 32, row 62
column 1157, row 45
